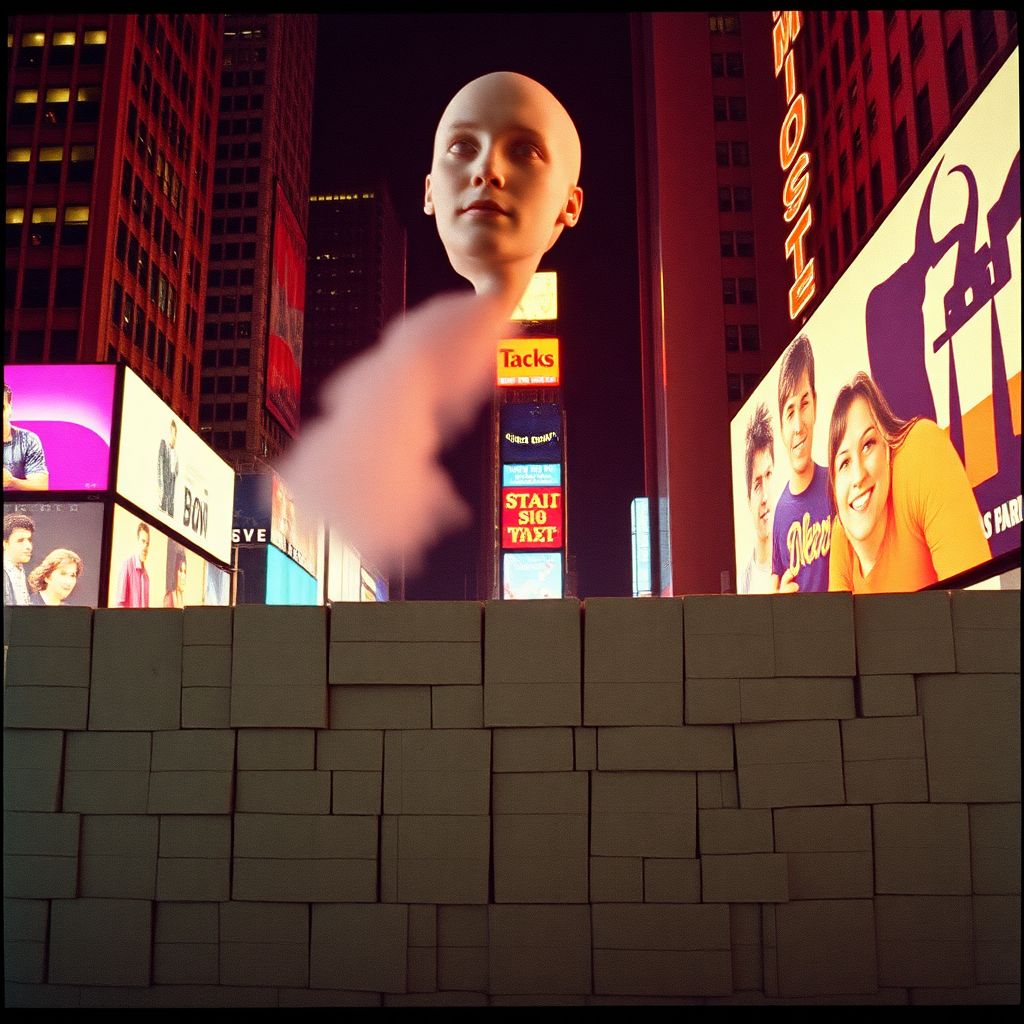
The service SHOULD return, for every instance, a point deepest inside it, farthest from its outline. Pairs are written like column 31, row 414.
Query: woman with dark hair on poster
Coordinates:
column 907, row 516
column 175, row 597
column 55, row 577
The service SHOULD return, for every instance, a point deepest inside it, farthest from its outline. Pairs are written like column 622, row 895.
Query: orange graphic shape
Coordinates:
column 979, row 426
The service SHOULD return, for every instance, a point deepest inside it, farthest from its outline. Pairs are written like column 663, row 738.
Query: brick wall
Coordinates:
column 812, row 798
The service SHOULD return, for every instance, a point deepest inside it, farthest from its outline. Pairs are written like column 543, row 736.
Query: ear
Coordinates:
column 573, row 205
column 428, row 202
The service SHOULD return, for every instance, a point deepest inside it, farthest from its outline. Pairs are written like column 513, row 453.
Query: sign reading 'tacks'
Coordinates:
column 527, row 362
column 531, row 518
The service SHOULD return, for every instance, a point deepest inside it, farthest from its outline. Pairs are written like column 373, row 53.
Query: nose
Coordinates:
column 488, row 169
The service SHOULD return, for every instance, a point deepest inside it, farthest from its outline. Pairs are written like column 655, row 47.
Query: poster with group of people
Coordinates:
column 882, row 452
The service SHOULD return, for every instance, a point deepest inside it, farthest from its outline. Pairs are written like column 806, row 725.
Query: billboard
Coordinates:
column 287, row 309
column 531, row 518
column 540, row 301
column 170, row 472
column 532, row 474
column 527, row 362
column 265, row 513
column 287, row 582
column 889, row 456
column 52, row 552
column 531, row 575
column 60, row 419
column 149, row 569
column 531, row 432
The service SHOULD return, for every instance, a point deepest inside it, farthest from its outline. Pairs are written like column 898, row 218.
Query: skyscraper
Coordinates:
column 109, row 160
column 260, row 187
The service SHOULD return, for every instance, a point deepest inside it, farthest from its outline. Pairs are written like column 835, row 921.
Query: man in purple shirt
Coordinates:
column 133, row 580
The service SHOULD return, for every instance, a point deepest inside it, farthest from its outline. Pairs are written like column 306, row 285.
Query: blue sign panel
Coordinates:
column 532, row 474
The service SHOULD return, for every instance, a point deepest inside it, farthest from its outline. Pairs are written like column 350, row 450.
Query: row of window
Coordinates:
column 727, row 65
column 230, row 251
column 49, row 162
column 734, row 154
column 229, row 303
column 238, row 151
column 233, row 226
column 62, row 48
column 142, row 332
column 230, row 278
column 242, row 79
column 152, row 156
column 736, row 198
column 236, row 200
column 743, row 288
column 227, row 330
column 222, row 412
column 241, row 101
column 57, row 106
column 31, row 346
column 737, row 243
column 43, row 222
column 730, row 108
column 237, row 175
column 239, row 126
column 741, row 385
column 745, row 336
column 229, row 384
column 213, row 357
column 136, row 259
column 35, row 287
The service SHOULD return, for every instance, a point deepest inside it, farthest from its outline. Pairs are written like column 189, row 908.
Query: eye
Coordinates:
column 843, row 463
column 462, row 147
column 527, row 150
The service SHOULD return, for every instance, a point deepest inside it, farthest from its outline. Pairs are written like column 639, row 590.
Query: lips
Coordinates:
column 861, row 501
column 485, row 207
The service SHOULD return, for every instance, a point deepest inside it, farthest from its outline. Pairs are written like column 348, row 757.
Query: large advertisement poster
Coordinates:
column 148, row 569
column 166, row 469
column 882, row 452
column 531, row 518
column 531, row 432
column 52, row 552
column 287, row 309
column 532, row 575
column 57, row 424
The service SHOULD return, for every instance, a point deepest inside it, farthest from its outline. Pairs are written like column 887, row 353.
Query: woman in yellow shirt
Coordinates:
column 907, row 516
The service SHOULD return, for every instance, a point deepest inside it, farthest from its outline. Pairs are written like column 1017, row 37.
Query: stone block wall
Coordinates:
column 809, row 798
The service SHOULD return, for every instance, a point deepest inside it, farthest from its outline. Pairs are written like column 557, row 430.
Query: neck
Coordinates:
column 868, row 549
column 7, row 432
column 762, row 550
column 49, row 598
column 801, row 481
column 505, row 283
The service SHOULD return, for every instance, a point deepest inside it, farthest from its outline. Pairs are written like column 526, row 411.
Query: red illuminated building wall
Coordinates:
column 110, row 131
column 881, row 89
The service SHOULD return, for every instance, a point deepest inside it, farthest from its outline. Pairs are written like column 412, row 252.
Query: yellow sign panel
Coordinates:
column 528, row 362
column 541, row 299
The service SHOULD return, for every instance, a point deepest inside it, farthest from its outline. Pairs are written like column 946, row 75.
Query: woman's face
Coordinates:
column 182, row 572
column 62, row 580
column 861, row 471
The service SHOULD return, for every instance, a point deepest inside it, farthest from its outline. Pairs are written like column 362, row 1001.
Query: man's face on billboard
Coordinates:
column 18, row 549
column 143, row 547
column 759, row 499
column 798, row 415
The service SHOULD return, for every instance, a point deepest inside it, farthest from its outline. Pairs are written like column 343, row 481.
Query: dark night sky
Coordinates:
column 382, row 82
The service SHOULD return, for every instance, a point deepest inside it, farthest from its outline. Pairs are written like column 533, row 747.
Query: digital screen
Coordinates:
column 289, row 529
column 52, row 552
column 170, row 472
column 900, row 468
column 287, row 582
column 531, row 575
column 528, row 474
column 343, row 565
column 531, row 432
column 531, row 518
column 287, row 309
column 528, row 362
column 149, row 569
column 61, row 420
column 541, row 299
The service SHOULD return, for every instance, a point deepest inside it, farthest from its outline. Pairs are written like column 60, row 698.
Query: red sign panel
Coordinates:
column 531, row 518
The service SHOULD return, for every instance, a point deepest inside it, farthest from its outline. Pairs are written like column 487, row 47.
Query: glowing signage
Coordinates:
column 531, row 432
column 531, row 518
column 530, row 474
column 531, row 575
column 796, row 162
column 541, row 299
column 528, row 362
column 917, row 347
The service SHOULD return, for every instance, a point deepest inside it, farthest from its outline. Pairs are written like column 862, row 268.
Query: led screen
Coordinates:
column 290, row 530
column 531, row 518
column 287, row 309
column 529, row 474
column 149, row 569
column 528, row 362
column 287, row 582
column 532, row 575
column 170, row 472
column 52, row 552
column 531, row 432
column 900, row 468
column 61, row 423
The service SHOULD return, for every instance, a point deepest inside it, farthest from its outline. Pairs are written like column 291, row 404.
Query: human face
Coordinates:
column 18, row 549
column 62, row 580
column 143, row 546
column 502, row 184
column 760, row 499
column 798, row 415
column 182, row 573
column 861, row 471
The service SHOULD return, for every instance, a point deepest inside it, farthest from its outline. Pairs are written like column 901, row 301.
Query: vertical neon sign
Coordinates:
column 796, row 162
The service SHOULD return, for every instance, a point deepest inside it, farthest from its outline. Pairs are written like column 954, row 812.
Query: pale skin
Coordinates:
column 760, row 505
column 34, row 481
column 60, row 583
column 18, row 548
column 798, row 415
column 861, row 476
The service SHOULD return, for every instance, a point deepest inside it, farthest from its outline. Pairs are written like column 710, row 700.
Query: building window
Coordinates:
column 956, row 71
column 721, row 105
column 727, row 244
column 916, row 40
column 751, row 338
column 876, row 189
column 725, row 199
column 734, row 387
column 840, row 117
column 68, row 289
column 862, row 211
column 863, row 24
column 729, row 290
column 872, row 112
column 734, row 65
column 75, row 230
column 983, row 28
column 830, row 187
column 837, row 71
column 745, row 243
column 742, row 202
column 923, row 117
column 737, row 108
column 833, row 251
column 23, row 110
column 867, row 66
column 30, row 346
column 44, row 225
column 844, row 168
column 858, row 143
column 64, row 346
column 747, row 289
column 722, row 154
column 732, row 338
column 847, row 232
column 895, row 75
column 740, row 154
column 902, row 151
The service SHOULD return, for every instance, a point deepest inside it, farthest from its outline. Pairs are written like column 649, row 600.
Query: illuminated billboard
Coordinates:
column 265, row 513
column 531, row 575
column 287, row 582
column 148, row 569
column 52, row 552
column 59, row 418
column 166, row 469
column 531, row 518
column 527, row 362
column 531, row 432
column 532, row 474
column 882, row 452
column 540, row 302
column 287, row 309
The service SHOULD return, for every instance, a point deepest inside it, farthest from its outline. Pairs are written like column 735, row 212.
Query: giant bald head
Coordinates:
column 503, row 180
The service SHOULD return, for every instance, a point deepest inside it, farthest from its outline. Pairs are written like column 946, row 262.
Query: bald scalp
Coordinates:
column 546, row 113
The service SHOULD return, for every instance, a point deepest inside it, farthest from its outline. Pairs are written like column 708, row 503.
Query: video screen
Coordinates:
column 882, row 452
column 531, row 575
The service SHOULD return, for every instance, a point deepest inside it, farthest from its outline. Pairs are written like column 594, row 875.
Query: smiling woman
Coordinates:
column 907, row 516
column 56, row 576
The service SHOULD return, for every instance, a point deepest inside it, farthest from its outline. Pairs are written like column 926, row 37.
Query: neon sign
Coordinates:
column 796, row 162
